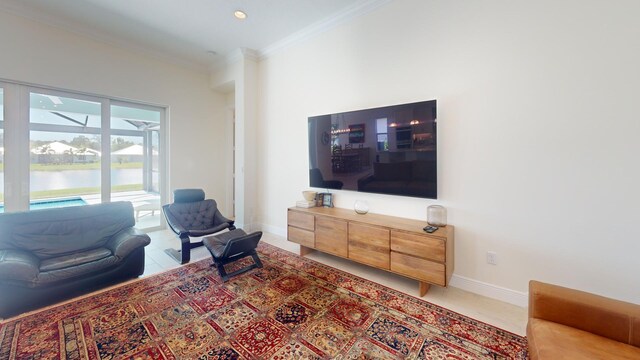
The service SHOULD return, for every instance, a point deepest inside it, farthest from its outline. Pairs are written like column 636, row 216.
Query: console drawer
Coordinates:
column 369, row 245
column 423, row 246
column 418, row 268
column 300, row 236
column 331, row 236
column 301, row 220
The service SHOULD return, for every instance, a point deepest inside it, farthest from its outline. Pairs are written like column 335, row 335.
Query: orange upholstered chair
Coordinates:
column 571, row 324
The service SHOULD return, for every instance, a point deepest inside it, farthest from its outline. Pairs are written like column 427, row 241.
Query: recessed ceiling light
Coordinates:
column 239, row 14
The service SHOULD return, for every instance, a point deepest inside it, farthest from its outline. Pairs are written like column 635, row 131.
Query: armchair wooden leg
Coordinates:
column 185, row 250
column 222, row 272
column 183, row 255
column 256, row 259
column 175, row 255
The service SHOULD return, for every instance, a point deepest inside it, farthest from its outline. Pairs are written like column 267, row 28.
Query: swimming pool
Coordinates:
column 53, row 203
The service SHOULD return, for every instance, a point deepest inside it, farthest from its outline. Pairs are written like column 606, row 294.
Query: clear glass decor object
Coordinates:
column 437, row 215
column 361, row 207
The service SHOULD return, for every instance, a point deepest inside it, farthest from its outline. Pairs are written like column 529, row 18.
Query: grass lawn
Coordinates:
column 79, row 166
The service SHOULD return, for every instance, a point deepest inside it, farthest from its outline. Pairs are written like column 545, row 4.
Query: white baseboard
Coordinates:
column 517, row 298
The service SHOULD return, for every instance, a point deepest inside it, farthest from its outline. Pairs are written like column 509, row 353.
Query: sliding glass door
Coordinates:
column 69, row 149
column 134, row 159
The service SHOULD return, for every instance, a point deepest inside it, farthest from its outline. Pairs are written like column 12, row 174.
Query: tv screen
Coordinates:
column 386, row 150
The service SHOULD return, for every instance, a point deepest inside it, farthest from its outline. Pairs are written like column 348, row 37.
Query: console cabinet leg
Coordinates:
column 305, row 250
column 424, row 287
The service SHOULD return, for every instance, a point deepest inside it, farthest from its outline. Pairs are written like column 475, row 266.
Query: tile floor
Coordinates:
column 503, row 315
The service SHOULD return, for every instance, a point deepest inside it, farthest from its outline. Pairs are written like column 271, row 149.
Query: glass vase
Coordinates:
column 437, row 215
column 361, row 207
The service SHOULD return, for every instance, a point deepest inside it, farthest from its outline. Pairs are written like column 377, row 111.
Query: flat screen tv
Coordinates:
column 386, row 150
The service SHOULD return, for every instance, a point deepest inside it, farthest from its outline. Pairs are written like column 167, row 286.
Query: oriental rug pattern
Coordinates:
column 293, row 308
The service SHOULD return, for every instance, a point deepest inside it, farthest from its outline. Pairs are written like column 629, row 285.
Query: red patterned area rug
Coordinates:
column 293, row 308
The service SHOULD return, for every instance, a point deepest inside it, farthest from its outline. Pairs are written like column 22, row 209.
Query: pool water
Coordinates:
column 49, row 204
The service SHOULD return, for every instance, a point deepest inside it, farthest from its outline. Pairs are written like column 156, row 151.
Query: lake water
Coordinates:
column 70, row 179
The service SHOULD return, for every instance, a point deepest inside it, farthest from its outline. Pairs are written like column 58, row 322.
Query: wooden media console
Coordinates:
column 394, row 244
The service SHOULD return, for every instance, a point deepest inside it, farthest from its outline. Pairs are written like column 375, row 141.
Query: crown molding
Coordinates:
column 250, row 54
column 359, row 9
column 350, row 13
column 234, row 57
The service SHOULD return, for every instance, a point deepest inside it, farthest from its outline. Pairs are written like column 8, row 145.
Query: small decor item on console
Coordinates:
column 309, row 195
column 437, row 215
column 305, row 204
column 361, row 207
column 327, row 199
column 430, row 229
column 309, row 200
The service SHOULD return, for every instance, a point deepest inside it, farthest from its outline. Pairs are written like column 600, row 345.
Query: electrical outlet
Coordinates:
column 492, row 258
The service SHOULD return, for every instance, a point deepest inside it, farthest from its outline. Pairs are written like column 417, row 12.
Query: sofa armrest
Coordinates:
column 596, row 314
column 18, row 265
column 126, row 241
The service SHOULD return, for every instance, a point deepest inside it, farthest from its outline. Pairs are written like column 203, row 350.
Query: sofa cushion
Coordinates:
column 215, row 245
column 71, row 272
column 55, row 232
column 400, row 171
column 75, row 259
column 550, row 340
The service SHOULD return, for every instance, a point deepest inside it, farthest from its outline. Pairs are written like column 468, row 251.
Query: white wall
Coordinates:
column 45, row 55
column 537, row 120
column 240, row 76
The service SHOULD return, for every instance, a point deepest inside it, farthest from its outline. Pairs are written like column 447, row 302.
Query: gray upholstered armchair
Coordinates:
column 191, row 215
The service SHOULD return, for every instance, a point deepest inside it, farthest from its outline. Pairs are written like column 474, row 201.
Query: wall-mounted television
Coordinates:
column 386, row 150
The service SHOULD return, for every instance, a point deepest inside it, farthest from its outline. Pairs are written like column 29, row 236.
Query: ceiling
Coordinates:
column 186, row 31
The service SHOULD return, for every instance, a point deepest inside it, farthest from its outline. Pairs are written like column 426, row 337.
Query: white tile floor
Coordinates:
column 503, row 315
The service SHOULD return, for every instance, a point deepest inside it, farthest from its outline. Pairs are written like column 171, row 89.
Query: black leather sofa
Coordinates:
column 409, row 178
column 50, row 255
column 316, row 180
